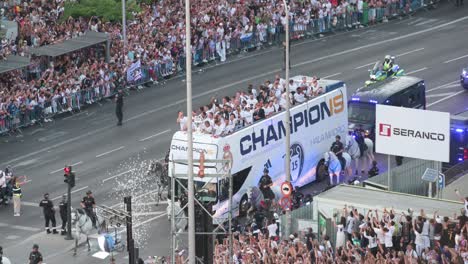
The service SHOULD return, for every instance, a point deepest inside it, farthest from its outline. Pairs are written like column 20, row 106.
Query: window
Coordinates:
column 238, row 180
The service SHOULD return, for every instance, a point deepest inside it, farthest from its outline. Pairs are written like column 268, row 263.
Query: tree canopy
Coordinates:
column 106, row 10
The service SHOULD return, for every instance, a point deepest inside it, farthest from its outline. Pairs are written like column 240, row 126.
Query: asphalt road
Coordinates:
column 430, row 45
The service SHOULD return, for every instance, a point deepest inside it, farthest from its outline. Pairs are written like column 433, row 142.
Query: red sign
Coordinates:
column 286, row 189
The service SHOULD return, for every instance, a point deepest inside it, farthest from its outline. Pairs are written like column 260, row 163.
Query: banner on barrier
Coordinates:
column 134, row 72
column 413, row 133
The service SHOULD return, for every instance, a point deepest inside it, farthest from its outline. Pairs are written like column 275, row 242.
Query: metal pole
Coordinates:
column 230, row 216
column 287, row 115
column 191, row 194
column 173, row 230
column 124, row 27
column 130, row 241
column 389, row 173
column 69, row 226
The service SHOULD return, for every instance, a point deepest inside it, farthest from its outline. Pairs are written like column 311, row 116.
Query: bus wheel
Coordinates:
column 243, row 205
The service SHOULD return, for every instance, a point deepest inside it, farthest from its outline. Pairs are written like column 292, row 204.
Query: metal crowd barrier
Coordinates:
column 273, row 35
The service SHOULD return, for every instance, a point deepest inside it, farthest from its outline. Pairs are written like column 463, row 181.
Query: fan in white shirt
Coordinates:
column 251, row 101
column 206, row 128
column 182, row 121
column 247, row 115
column 299, row 96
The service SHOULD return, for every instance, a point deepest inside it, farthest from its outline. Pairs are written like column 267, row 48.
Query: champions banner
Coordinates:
column 134, row 72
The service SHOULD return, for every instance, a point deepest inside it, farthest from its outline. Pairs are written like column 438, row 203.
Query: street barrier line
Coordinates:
column 155, row 135
column 110, row 151
column 379, row 43
column 24, row 228
column 458, row 58
column 329, row 76
column 117, row 175
column 415, row 71
column 445, row 98
column 443, row 86
column 74, row 191
column 439, row 95
column 55, row 171
column 363, row 66
column 409, row 52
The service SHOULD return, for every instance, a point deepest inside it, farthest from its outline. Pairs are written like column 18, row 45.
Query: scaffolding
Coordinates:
column 223, row 173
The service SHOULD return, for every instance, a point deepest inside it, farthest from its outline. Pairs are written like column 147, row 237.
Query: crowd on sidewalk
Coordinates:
column 377, row 236
column 155, row 38
column 220, row 118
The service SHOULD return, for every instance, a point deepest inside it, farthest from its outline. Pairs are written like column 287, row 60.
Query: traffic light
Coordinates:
column 69, row 176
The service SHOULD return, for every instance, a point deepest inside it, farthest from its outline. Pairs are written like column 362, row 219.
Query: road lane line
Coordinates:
column 439, row 95
column 24, row 228
column 74, row 191
column 55, row 171
column 329, row 76
column 415, row 71
column 459, row 58
column 379, row 43
column 117, row 175
column 445, row 98
column 29, row 204
column 155, row 135
column 363, row 66
column 443, row 86
column 110, row 151
column 409, row 52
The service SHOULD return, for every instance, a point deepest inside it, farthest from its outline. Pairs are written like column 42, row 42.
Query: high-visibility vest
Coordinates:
column 17, row 190
column 386, row 66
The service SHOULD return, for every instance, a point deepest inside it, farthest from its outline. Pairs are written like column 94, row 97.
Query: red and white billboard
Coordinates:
column 413, row 133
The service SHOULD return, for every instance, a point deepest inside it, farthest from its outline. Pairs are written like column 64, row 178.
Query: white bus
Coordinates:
column 314, row 125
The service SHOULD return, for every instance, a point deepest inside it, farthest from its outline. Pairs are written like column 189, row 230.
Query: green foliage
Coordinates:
column 106, row 10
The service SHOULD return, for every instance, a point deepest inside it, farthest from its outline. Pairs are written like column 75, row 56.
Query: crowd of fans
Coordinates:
column 246, row 107
column 378, row 236
column 155, row 37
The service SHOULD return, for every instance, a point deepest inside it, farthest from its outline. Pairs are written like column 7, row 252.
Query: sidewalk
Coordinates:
column 56, row 250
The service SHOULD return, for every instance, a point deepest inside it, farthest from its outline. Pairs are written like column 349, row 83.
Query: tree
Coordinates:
column 106, row 10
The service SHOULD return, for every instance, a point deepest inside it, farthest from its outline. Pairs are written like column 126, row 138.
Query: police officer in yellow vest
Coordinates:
column 16, row 198
column 387, row 64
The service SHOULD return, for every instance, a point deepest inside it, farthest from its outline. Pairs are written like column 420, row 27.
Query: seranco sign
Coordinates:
column 413, row 133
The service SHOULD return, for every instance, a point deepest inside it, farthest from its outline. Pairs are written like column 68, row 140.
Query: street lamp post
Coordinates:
column 124, row 26
column 287, row 115
column 191, row 194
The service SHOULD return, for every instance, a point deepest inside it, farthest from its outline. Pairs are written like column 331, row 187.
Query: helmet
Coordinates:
column 387, row 57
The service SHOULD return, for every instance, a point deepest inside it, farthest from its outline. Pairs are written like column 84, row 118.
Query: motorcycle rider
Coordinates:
column 88, row 204
column 338, row 148
column 387, row 65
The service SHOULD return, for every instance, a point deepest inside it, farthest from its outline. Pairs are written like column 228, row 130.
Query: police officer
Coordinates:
column 119, row 107
column 338, row 148
column 49, row 213
column 88, row 204
column 35, row 257
column 63, row 206
column 265, row 185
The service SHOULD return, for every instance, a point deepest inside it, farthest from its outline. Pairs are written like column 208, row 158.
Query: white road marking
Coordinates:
column 443, row 86
column 458, row 58
column 415, row 21
column 55, row 171
column 25, row 203
column 74, row 191
column 445, row 98
column 155, row 135
column 363, row 66
column 439, row 95
column 426, row 22
column 409, row 52
column 329, row 76
column 415, row 71
column 117, row 175
column 110, row 151
column 24, row 228
column 379, row 43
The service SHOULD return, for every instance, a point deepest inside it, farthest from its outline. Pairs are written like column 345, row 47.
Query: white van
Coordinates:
column 314, row 125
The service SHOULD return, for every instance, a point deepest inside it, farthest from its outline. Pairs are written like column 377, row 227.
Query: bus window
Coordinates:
column 411, row 97
column 238, row 180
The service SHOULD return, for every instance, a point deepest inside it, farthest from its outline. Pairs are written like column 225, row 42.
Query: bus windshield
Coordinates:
column 362, row 113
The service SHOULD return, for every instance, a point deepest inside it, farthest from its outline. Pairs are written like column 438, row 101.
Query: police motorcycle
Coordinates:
column 377, row 74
